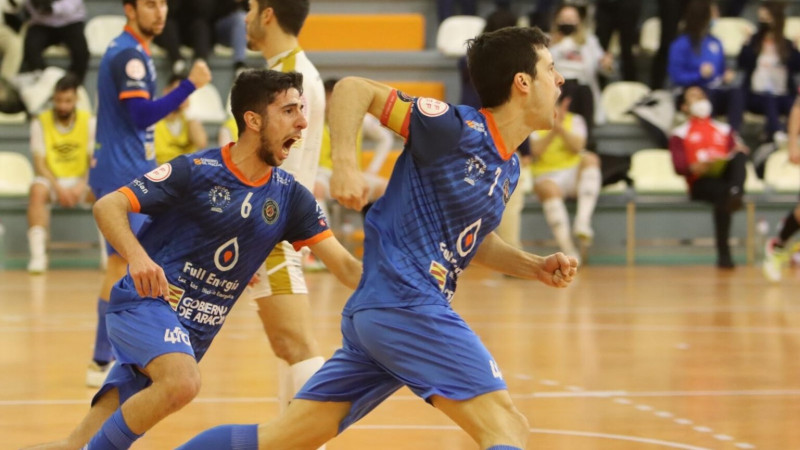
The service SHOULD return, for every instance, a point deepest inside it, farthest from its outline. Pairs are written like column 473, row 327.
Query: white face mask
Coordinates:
column 700, row 109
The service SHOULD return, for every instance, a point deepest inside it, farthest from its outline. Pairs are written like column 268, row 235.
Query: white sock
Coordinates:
column 555, row 212
column 588, row 190
column 37, row 241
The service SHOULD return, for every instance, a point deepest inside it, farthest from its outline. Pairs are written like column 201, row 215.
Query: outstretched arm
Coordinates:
column 554, row 270
column 351, row 99
column 111, row 214
column 339, row 261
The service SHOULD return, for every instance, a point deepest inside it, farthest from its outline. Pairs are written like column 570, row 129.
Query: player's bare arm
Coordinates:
column 344, row 266
column 351, row 99
column 555, row 270
column 111, row 214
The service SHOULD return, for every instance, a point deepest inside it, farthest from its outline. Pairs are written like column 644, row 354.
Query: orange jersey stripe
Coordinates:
column 131, row 198
column 134, row 94
column 311, row 241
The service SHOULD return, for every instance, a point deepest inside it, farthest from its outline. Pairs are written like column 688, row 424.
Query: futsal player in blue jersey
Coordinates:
column 446, row 195
column 215, row 215
column 126, row 116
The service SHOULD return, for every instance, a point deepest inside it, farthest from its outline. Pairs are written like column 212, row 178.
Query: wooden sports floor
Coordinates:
column 626, row 358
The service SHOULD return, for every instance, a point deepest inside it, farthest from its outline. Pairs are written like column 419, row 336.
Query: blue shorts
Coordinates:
column 138, row 221
column 138, row 335
column 428, row 348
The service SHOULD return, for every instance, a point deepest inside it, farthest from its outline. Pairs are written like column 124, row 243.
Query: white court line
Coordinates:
column 618, row 437
column 585, row 394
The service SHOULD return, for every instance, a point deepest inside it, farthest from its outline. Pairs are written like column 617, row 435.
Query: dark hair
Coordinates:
column 494, row 58
column 291, row 14
column 255, row 89
column 129, row 2
column 777, row 9
column 68, row 82
column 696, row 18
column 499, row 19
column 681, row 99
column 329, row 84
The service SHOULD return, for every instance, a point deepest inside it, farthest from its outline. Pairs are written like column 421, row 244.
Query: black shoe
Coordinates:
column 735, row 199
column 725, row 261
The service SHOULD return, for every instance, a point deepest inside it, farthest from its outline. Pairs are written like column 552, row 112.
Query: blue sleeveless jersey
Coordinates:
column 447, row 192
column 122, row 151
column 210, row 231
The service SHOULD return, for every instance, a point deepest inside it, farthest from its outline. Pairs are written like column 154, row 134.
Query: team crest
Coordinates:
column 475, row 170
column 219, row 197
column 439, row 273
column 227, row 255
column 160, row 173
column 506, row 191
column 270, row 212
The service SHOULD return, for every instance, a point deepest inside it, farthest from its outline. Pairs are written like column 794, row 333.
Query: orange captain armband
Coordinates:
column 397, row 113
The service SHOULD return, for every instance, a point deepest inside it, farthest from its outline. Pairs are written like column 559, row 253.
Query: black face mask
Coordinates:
column 764, row 27
column 566, row 28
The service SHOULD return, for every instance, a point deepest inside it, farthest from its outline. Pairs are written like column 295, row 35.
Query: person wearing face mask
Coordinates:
column 711, row 157
column 579, row 56
column 769, row 63
column 696, row 58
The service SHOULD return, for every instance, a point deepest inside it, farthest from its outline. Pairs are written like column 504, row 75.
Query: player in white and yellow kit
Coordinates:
column 176, row 134
column 279, row 288
column 62, row 139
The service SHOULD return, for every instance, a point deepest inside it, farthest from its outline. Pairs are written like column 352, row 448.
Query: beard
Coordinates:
column 264, row 152
column 148, row 32
column 254, row 37
column 63, row 116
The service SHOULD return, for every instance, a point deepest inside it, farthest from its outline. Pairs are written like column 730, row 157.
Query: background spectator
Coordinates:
column 177, row 134
column 707, row 153
column 52, row 23
column 621, row 16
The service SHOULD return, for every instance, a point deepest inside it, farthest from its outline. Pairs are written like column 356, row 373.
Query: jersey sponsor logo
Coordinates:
column 323, row 221
column 281, row 178
column 160, row 173
column 206, row 162
column 432, row 107
column 174, row 295
column 270, row 211
column 506, row 191
column 135, row 69
column 176, row 336
column 219, row 197
column 468, row 238
column 495, row 369
column 477, row 126
column 475, row 170
column 227, row 255
column 203, row 312
column 439, row 273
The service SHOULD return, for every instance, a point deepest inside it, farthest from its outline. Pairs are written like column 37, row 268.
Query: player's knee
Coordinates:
column 292, row 347
column 181, row 390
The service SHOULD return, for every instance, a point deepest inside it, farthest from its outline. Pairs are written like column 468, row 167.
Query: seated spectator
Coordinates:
column 62, row 140
column 372, row 130
column 563, row 169
column 696, row 58
column 176, row 134
column 711, row 157
column 200, row 24
column 770, row 64
column 578, row 56
column 56, row 22
column 10, row 45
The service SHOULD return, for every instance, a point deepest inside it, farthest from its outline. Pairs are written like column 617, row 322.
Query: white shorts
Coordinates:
column 374, row 183
column 85, row 201
column 281, row 273
column 565, row 179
